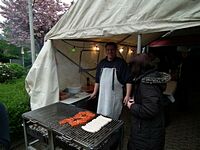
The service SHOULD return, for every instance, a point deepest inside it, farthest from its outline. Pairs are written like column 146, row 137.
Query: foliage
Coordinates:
column 4, row 58
column 16, row 100
column 10, row 72
column 16, row 26
column 18, row 70
column 9, row 49
column 5, row 73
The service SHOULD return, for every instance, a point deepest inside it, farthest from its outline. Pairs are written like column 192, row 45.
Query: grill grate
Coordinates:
column 49, row 117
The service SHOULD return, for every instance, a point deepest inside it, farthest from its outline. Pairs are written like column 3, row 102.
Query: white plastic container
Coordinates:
column 74, row 89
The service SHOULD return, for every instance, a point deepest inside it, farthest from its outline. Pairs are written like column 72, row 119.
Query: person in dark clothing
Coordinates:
column 4, row 129
column 184, row 79
column 111, row 76
column 146, row 106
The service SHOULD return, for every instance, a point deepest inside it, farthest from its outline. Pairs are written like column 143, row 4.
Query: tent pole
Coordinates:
column 139, row 43
column 31, row 30
column 147, row 49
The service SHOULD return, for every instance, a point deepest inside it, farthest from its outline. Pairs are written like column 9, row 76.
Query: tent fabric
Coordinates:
column 105, row 20
column 42, row 82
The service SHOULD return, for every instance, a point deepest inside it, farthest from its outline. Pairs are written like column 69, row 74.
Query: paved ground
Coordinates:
column 183, row 132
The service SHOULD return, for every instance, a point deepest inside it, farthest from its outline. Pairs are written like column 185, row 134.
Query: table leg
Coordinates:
column 50, row 139
column 25, row 135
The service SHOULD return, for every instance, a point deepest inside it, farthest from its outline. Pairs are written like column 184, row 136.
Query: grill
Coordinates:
column 43, row 125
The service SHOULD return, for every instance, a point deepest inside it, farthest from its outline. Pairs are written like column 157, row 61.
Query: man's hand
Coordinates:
column 96, row 88
column 126, row 99
column 130, row 103
column 92, row 96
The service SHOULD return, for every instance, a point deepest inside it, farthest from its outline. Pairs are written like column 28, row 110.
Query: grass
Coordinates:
column 13, row 95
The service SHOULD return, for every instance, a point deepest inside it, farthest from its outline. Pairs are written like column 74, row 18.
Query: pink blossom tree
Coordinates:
column 16, row 25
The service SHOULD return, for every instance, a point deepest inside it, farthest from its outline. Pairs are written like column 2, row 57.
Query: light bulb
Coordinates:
column 73, row 49
column 130, row 51
column 96, row 48
column 121, row 50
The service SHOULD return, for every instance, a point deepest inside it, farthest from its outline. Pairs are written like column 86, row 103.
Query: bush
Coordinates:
column 10, row 71
column 18, row 70
column 5, row 73
column 16, row 100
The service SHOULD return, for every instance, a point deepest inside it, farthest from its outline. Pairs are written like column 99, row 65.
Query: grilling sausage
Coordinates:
column 78, row 119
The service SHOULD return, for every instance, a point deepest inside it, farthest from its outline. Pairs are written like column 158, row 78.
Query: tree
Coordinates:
column 8, row 51
column 16, row 25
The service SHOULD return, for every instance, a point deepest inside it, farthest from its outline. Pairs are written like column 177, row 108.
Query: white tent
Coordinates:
column 91, row 22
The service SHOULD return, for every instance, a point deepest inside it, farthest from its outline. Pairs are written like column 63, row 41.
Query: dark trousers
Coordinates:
column 116, row 143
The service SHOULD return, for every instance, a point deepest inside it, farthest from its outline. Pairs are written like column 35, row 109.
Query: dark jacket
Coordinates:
column 147, row 116
column 4, row 129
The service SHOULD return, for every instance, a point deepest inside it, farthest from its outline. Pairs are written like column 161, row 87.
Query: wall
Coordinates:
column 69, row 72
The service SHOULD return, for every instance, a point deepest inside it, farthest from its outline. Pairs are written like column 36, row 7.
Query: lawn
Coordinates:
column 13, row 95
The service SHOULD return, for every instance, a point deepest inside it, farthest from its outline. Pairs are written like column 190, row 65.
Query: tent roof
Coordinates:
column 121, row 21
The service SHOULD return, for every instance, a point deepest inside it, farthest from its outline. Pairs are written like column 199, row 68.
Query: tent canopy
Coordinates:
column 99, row 21
column 121, row 21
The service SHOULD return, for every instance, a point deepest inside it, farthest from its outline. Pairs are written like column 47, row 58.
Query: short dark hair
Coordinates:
column 112, row 44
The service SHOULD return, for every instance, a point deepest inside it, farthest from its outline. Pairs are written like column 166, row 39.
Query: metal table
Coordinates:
column 47, row 119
